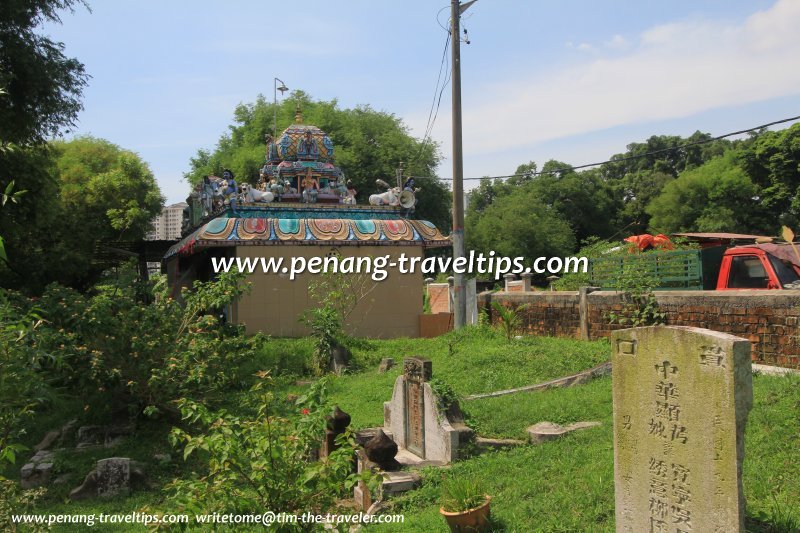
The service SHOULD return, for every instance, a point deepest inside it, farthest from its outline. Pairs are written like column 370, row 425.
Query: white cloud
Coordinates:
column 671, row 71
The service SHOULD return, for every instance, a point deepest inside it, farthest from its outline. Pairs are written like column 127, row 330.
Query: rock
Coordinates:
column 48, row 440
column 87, row 489
column 381, row 450
column 38, row 471
column 339, row 421
column 545, row 431
column 162, row 457
column 63, row 479
column 497, row 444
column 111, row 477
column 89, row 436
column 340, row 358
column 386, row 364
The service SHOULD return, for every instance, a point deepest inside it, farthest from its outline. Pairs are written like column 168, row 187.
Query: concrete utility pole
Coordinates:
column 457, row 234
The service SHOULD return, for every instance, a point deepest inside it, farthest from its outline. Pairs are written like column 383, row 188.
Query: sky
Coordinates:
column 572, row 80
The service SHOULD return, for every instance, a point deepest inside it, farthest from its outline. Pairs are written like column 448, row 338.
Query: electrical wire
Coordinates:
column 627, row 158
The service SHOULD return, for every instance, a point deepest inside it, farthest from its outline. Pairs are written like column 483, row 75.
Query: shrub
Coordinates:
column 248, row 465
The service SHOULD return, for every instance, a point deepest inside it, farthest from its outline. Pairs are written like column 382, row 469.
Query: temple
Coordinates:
column 301, row 208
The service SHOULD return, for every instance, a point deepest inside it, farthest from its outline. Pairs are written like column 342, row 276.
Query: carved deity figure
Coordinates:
column 310, row 188
column 307, row 148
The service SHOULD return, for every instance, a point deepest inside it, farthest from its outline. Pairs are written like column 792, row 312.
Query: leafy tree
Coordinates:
column 718, row 196
column 368, row 144
column 772, row 161
column 43, row 87
column 637, row 178
column 519, row 225
column 80, row 192
column 583, row 199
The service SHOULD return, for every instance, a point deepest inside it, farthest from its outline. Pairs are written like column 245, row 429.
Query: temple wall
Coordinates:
column 275, row 303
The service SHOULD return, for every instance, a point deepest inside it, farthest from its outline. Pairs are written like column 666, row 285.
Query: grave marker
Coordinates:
column 681, row 399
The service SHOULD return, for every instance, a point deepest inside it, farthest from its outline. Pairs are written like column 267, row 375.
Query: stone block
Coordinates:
column 681, row 399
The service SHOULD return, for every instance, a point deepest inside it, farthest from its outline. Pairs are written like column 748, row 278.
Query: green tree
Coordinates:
column 80, row 192
column 519, row 225
column 369, row 144
column 772, row 161
column 638, row 175
column 43, row 87
column 718, row 196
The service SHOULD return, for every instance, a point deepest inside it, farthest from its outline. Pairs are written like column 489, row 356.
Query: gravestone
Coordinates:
column 681, row 400
column 423, row 431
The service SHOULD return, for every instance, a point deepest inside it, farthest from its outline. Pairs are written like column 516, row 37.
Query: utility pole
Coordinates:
column 457, row 233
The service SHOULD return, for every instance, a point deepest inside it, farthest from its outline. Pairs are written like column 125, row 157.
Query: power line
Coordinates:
column 630, row 157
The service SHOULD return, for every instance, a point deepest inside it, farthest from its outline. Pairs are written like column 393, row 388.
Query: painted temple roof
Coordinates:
column 299, row 149
column 301, row 224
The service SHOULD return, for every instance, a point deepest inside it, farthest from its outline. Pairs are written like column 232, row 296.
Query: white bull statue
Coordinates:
column 252, row 195
column 390, row 197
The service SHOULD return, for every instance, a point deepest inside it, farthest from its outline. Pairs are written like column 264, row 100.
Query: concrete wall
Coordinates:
column 769, row 319
column 276, row 303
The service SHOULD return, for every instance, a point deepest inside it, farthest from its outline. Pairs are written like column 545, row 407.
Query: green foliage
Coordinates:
column 462, row 494
column 114, row 351
column 640, row 307
column 326, row 328
column 446, row 393
column 510, row 319
column 42, row 87
column 252, row 464
column 369, row 144
column 518, row 224
column 80, row 192
column 710, row 198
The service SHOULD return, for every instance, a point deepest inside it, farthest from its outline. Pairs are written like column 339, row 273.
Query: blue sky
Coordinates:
column 570, row 80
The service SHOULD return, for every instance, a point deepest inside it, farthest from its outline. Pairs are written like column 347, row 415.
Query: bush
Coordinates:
column 249, row 465
column 116, row 352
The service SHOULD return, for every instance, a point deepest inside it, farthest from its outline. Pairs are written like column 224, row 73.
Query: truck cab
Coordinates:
column 760, row 266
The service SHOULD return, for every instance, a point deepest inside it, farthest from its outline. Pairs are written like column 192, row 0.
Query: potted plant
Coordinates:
column 465, row 506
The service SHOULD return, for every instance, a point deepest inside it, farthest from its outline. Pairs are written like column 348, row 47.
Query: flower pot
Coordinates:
column 475, row 519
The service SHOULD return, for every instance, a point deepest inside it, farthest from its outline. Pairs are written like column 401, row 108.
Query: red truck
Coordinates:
column 759, row 266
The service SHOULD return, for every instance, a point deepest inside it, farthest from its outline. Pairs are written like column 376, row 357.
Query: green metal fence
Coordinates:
column 674, row 270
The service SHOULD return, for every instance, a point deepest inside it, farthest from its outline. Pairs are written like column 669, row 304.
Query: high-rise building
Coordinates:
column 167, row 225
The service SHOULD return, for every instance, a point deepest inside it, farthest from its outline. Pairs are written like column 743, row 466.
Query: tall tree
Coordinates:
column 369, row 144
column 89, row 191
column 43, row 87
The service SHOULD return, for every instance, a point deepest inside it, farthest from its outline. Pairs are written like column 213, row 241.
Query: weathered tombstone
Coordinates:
column 416, row 421
column 113, row 476
column 681, row 400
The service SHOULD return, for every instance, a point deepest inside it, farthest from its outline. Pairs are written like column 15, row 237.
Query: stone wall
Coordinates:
column 769, row 319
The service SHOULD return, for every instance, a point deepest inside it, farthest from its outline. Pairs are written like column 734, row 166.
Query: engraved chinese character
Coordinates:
column 626, row 422
column 668, row 411
column 679, row 433
column 666, row 368
column 681, row 494
column 658, row 526
column 712, row 356
column 657, row 428
column 658, row 508
column 667, row 390
column 680, row 474
column 658, row 488
column 657, row 467
column 682, row 516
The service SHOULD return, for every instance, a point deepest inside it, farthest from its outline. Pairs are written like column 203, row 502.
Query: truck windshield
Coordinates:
column 785, row 273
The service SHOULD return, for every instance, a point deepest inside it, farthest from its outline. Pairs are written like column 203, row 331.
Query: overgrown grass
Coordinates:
column 565, row 485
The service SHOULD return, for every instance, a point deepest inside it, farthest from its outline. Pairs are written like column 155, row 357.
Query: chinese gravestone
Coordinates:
column 416, row 421
column 681, row 399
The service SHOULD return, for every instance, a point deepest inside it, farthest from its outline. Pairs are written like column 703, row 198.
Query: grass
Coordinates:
column 564, row 485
